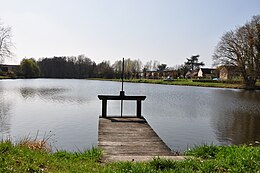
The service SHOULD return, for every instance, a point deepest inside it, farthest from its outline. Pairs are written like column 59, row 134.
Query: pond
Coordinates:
column 67, row 111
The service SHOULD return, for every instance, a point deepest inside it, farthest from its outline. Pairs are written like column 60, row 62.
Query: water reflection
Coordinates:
column 239, row 128
column 5, row 107
column 52, row 94
column 195, row 115
column 4, row 118
column 236, row 116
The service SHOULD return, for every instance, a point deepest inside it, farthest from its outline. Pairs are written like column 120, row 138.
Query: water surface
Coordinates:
column 182, row 116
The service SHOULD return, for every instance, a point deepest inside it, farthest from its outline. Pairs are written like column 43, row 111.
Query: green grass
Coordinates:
column 229, row 158
column 206, row 159
column 5, row 77
column 183, row 82
column 17, row 158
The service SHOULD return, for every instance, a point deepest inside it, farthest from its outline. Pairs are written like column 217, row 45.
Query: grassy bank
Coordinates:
column 184, row 82
column 19, row 158
column 5, row 77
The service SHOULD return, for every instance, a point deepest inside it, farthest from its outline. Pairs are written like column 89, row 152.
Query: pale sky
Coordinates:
column 166, row 30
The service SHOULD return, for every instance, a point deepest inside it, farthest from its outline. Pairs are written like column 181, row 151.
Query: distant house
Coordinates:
column 151, row 74
column 155, row 74
column 208, row 73
column 9, row 68
column 228, row 72
column 170, row 72
column 191, row 74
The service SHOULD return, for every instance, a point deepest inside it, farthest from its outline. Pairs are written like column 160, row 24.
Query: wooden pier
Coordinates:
column 130, row 139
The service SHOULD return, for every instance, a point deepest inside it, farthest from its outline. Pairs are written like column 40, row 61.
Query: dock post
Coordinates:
column 104, row 108
column 138, row 108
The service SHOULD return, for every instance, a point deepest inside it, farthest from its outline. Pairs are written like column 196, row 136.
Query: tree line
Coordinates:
column 83, row 67
column 77, row 67
column 65, row 67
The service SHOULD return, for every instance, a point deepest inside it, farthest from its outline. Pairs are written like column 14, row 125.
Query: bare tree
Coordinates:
column 148, row 66
column 6, row 43
column 155, row 64
column 132, row 68
column 240, row 48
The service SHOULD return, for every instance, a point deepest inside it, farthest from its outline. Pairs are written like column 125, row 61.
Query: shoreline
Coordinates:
column 205, row 158
column 182, row 82
column 179, row 82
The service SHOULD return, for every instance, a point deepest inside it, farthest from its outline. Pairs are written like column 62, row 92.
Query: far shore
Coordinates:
column 184, row 82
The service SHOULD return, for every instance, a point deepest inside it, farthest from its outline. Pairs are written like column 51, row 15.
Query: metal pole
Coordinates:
column 123, row 71
column 122, row 91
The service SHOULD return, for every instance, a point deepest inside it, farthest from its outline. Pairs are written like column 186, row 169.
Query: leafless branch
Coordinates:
column 6, row 44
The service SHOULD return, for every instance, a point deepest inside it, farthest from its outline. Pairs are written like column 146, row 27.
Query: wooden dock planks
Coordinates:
column 129, row 138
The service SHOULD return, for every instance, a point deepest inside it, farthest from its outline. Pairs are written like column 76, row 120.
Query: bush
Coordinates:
column 30, row 68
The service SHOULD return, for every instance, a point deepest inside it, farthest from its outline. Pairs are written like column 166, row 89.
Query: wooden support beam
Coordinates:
column 104, row 108
column 138, row 108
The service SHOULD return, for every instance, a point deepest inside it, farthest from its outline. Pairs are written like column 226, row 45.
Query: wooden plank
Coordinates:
column 129, row 137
